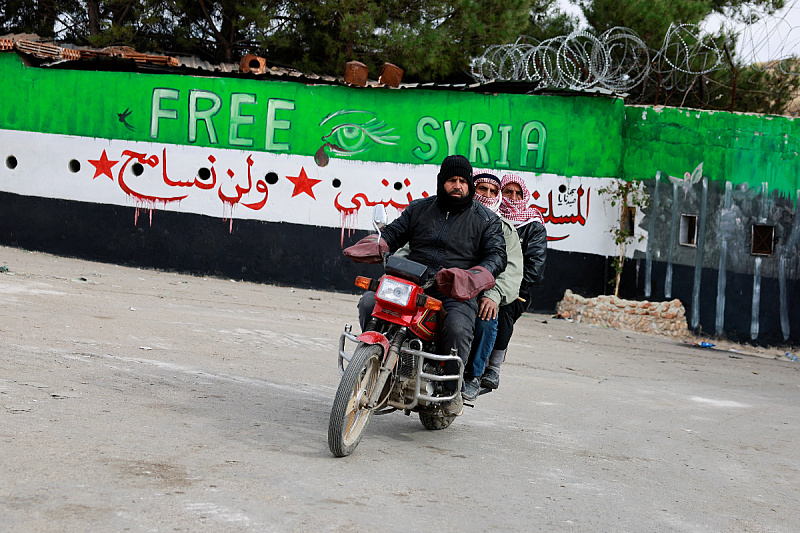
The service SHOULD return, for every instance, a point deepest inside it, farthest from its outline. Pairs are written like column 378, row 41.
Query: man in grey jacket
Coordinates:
column 505, row 291
column 529, row 223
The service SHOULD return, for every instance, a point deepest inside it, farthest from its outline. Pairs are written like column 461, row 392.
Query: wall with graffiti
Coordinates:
column 267, row 180
column 723, row 234
column 284, row 152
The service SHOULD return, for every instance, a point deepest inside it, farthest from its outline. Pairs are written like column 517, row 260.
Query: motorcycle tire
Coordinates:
column 434, row 422
column 349, row 417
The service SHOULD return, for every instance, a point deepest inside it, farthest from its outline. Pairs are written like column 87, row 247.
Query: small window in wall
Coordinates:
column 688, row 236
column 763, row 241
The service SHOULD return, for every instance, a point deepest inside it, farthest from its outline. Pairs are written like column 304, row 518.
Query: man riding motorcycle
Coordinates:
column 448, row 231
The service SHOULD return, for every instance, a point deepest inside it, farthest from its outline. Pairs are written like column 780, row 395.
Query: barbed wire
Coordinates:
column 618, row 60
column 775, row 38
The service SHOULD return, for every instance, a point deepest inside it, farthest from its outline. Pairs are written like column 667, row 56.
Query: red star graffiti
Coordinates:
column 303, row 184
column 103, row 166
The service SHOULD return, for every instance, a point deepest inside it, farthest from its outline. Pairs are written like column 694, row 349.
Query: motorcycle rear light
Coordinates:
column 394, row 292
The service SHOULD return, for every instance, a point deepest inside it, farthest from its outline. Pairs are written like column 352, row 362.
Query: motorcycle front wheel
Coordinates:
column 349, row 415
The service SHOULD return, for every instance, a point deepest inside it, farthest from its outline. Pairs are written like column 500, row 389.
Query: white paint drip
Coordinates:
column 723, row 263
column 756, row 299
column 672, row 237
column 648, row 273
column 786, row 254
column 756, row 303
column 698, row 265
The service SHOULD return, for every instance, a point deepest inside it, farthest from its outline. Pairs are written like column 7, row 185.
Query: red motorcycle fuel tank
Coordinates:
column 426, row 324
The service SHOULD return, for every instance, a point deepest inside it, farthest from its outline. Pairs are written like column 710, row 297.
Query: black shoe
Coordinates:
column 490, row 379
column 471, row 388
column 453, row 407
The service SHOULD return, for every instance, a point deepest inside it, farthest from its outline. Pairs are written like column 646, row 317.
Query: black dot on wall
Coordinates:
column 336, row 183
column 11, row 162
column 398, row 185
column 137, row 169
column 271, row 178
column 204, row 174
column 562, row 188
column 74, row 166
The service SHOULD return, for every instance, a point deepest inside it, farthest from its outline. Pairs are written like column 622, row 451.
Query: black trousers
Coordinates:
column 507, row 316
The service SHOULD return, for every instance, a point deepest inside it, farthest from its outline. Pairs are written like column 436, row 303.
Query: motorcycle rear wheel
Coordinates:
column 349, row 415
column 434, row 422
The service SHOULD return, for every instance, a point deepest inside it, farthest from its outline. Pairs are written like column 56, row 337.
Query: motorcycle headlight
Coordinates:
column 394, row 292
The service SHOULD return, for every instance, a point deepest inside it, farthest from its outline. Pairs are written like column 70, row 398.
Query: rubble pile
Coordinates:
column 661, row 318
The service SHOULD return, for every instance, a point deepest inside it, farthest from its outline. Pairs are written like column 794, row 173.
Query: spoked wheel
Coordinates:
column 438, row 421
column 349, row 415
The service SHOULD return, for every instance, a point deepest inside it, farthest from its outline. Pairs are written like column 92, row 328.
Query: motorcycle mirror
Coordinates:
column 379, row 217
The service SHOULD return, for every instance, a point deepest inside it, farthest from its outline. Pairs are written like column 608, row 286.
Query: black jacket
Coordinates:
column 440, row 239
column 533, row 238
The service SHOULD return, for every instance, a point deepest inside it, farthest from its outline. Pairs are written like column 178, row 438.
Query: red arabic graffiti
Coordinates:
column 565, row 206
column 570, row 198
column 104, row 166
column 349, row 214
column 151, row 161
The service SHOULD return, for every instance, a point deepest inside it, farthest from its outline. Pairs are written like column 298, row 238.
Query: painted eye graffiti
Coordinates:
column 349, row 138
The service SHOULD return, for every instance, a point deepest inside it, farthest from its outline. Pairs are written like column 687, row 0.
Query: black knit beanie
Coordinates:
column 454, row 165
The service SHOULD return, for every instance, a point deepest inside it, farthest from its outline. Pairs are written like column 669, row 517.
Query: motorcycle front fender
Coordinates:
column 374, row 337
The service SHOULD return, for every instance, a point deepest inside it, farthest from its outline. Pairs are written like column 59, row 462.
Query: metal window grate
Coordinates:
column 763, row 241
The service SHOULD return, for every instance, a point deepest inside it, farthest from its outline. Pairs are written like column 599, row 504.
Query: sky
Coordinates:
column 774, row 37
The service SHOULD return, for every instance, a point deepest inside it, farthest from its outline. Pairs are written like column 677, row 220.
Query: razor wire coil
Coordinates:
column 617, row 60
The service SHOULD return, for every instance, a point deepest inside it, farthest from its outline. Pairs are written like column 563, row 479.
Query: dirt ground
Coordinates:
column 139, row 400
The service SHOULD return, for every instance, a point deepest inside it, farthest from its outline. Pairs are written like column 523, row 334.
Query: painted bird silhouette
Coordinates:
column 123, row 116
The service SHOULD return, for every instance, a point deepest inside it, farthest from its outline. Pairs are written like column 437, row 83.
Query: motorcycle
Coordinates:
column 394, row 366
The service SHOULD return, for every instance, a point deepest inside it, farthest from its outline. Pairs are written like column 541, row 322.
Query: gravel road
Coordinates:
column 146, row 401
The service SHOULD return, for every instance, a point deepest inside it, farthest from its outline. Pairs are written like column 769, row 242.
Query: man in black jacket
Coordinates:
column 448, row 230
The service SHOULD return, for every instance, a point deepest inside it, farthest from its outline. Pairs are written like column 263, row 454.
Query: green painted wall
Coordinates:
column 562, row 135
column 569, row 136
column 734, row 147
